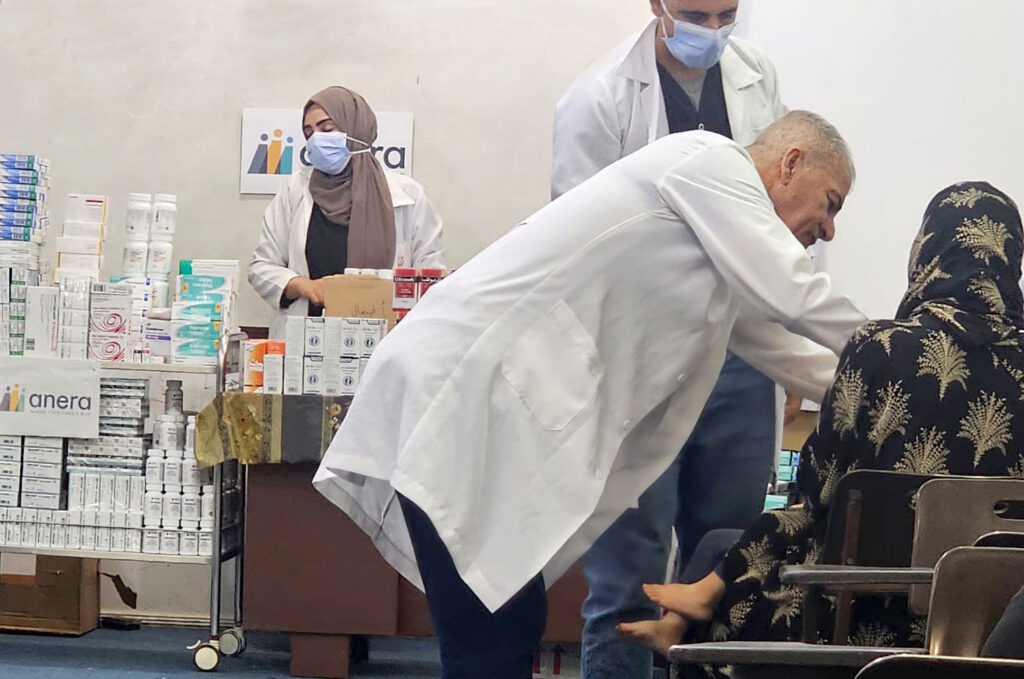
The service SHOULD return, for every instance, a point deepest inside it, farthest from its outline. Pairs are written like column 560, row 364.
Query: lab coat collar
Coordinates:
column 399, row 196
column 639, row 62
column 736, row 72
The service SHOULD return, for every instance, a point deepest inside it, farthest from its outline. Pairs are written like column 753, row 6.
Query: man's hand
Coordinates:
column 792, row 408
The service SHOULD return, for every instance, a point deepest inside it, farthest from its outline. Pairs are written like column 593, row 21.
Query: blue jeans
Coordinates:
column 719, row 480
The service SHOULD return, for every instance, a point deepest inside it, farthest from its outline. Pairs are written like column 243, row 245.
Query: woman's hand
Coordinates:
column 304, row 287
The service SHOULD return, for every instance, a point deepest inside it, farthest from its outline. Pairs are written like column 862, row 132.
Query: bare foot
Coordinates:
column 659, row 635
column 690, row 601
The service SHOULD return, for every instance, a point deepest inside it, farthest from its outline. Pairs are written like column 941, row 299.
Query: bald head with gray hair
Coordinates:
column 811, row 133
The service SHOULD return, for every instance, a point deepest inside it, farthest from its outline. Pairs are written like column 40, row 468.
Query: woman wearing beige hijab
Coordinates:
column 344, row 212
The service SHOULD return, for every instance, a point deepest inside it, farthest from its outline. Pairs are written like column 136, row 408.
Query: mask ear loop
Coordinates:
column 661, row 20
column 368, row 148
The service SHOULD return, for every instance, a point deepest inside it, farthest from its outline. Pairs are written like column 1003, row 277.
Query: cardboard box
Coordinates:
column 294, row 336
column 195, row 287
column 293, row 374
column 40, row 500
column 43, row 442
column 81, row 246
column 10, row 469
column 41, row 486
column 43, row 455
column 10, row 484
column 88, row 230
column 371, row 332
column 314, row 337
column 41, row 321
column 253, row 353
column 273, row 374
column 349, row 371
column 351, row 336
column 313, row 375
column 42, row 470
column 82, row 207
column 197, row 311
column 74, row 260
column 359, row 297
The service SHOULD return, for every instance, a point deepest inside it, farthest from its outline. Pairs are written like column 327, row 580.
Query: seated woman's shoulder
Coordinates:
column 884, row 334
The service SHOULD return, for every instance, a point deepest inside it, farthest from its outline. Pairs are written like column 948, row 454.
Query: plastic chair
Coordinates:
column 952, row 512
column 939, row 667
column 972, row 588
column 871, row 526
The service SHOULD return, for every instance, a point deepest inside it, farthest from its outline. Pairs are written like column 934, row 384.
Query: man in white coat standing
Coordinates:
column 532, row 396
column 684, row 71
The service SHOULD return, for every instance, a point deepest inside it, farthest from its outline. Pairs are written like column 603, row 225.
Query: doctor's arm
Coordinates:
column 798, row 364
column 718, row 192
column 269, row 274
column 587, row 137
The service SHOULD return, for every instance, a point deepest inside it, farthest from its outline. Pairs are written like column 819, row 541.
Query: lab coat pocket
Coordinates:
column 554, row 367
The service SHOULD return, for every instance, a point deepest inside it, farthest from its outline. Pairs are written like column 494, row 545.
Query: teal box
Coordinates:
column 786, row 473
column 775, row 502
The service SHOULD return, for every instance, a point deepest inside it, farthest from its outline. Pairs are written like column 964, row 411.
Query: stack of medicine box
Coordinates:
column 31, row 527
column 73, row 318
column 785, row 476
column 110, row 308
column 142, row 302
column 24, row 220
column 198, row 314
column 106, row 476
column 333, row 353
column 263, row 367
column 42, row 473
column 10, row 471
column 80, row 246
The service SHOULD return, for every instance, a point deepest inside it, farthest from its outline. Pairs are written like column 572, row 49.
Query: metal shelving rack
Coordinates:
column 228, row 530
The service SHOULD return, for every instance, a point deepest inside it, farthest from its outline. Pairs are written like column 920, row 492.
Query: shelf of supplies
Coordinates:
column 109, row 556
column 160, row 368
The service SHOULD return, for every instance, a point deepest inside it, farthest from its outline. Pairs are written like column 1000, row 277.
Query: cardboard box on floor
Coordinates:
column 62, row 597
column 359, row 297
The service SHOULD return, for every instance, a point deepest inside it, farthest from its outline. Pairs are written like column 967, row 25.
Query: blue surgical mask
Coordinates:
column 696, row 46
column 329, row 152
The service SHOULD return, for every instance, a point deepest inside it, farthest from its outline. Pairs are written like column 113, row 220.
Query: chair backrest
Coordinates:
column 972, row 587
column 883, row 504
column 1001, row 538
column 930, row 667
column 954, row 512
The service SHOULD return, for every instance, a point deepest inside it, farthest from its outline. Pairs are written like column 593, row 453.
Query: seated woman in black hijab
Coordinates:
column 936, row 391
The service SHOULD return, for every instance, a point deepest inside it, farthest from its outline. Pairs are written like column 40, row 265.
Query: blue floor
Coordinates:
column 160, row 652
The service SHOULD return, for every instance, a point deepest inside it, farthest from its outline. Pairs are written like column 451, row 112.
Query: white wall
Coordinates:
column 146, row 95
column 926, row 93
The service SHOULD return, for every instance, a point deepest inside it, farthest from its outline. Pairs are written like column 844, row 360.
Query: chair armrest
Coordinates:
column 941, row 667
column 779, row 653
column 848, row 577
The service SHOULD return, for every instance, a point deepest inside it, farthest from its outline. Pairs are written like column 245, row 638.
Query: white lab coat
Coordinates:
column 531, row 397
column 616, row 107
column 281, row 252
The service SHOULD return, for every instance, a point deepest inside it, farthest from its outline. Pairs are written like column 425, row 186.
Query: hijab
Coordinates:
column 965, row 266
column 359, row 196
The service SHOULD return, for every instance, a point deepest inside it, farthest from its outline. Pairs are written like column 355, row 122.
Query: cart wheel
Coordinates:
column 232, row 642
column 206, row 657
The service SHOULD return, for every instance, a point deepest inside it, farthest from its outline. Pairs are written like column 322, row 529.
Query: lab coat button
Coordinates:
column 625, row 425
column 680, row 378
